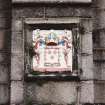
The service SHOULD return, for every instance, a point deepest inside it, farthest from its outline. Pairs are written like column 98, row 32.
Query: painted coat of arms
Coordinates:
column 53, row 50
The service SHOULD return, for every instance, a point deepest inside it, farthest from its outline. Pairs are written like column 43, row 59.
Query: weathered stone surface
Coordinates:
column 17, row 67
column 99, row 4
column 4, row 74
column 97, row 55
column 2, row 35
column 5, row 4
column 2, row 56
column 101, row 18
column 17, row 25
column 16, row 92
column 4, row 51
column 56, row 92
column 4, row 23
column 53, row 1
column 87, row 24
column 99, row 91
column 4, row 94
column 103, row 71
column 52, row 92
column 5, row 39
column 87, row 67
column 87, row 44
column 34, row 12
column 103, row 55
column 97, row 71
column 58, row 11
column 102, row 40
column 87, row 50
column 17, row 42
column 87, row 92
column 4, row 13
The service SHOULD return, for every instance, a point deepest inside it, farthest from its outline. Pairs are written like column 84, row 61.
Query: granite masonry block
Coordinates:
column 101, row 18
column 98, row 55
column 87, row 44
column 5, row 37
column 99, row 91
column 5, row 4
column 16, row 92
column 17, row 67
column 17, row 42
column 87, row 92
column 2, row 36
column 4, row 94
column 97, row 71
column 102, row 39
column 58, row 11
column 4, row 74
column 52, row 92
column 5, row 13
column 87, row 25
column 103, row 71
column 33, row 12
column 4, row 23
column 17, row 25
column 87, row 67
column 99, row 4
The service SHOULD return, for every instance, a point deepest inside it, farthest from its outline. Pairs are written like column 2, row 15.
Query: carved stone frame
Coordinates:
column 36, row 21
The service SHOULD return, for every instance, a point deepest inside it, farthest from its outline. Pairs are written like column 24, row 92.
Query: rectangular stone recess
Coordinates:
column 52, row 1
column 43, row 40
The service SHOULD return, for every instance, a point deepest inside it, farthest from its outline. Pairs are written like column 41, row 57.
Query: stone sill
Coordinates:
column 52, row 77
column 99, row 49
column 99, row 60
column 52, row 1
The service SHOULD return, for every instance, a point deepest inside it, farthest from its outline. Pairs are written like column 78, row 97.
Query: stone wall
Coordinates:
column 99, row 50
column 13, row 87
column 5, row 39
column 59, row 92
